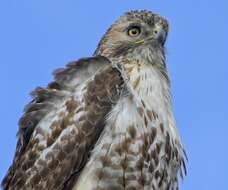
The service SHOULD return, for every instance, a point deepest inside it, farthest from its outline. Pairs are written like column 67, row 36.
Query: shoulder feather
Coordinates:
column 100, row 81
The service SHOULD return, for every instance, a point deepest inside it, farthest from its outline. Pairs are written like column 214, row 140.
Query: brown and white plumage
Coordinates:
column 105, row 122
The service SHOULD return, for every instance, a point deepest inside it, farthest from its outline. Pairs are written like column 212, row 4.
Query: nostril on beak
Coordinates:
column 162, row 22
column 156, row 31
column 160, row 34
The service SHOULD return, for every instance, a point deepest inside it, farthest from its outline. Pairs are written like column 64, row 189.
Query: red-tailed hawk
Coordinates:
column 105, row 122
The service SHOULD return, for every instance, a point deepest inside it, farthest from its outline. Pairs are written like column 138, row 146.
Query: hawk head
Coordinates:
column 135, row 30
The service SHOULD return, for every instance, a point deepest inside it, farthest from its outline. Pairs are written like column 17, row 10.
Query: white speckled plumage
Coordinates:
column 105, row 122
column 124, row 115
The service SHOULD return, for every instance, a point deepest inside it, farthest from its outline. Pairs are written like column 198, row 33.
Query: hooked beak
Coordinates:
column 160, row 30
column 159, row 34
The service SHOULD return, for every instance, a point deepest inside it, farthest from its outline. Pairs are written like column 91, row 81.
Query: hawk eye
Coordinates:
column 134, row 31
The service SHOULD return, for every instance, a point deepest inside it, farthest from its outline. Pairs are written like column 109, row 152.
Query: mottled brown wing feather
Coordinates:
column 62, row 124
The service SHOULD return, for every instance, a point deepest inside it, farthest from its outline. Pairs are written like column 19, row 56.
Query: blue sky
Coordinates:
column 37, row 36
